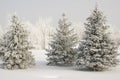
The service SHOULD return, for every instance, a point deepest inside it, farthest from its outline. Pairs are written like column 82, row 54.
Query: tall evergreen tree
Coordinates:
column 96, row 51
column 61, row 50
column 16, row 48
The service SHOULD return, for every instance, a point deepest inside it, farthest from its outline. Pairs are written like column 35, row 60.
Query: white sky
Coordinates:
column 76, row 10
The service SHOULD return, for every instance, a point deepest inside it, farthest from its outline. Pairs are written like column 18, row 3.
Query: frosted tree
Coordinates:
column 96, row 51
column 45, row 29
column 1, row 48
column 1, row 31
column 41, row 32
column 17, row 54
column 61, row 50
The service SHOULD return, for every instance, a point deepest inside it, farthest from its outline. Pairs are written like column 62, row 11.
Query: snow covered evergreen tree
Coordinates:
column 61, row 50
column 1, row 48
column 96, row 51
column 16, row 48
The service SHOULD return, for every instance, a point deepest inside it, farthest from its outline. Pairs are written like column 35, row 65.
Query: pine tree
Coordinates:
column 96, row 51
column 17, row 54
column 61, row 50
column 1, row 34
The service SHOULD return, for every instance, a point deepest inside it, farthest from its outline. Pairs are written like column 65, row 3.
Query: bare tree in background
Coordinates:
column 44, row 26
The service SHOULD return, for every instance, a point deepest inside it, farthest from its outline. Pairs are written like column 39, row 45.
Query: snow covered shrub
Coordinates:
column 61, row 50
column 16, row 48
column 96, row 51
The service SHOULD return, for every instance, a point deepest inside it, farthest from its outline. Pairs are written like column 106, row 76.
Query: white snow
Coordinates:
column 43, row 72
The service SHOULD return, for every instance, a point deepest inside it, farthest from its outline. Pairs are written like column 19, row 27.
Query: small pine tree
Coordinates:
column 17, row 54
column 96, row 51
column 61, row 50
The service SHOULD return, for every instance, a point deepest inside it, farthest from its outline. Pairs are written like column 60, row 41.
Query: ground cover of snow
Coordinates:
column 43, row 72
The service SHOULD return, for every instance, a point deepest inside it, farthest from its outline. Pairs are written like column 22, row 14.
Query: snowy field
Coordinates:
column 43, row 72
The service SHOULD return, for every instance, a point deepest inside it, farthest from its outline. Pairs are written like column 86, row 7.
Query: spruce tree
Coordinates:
column 62, row 50
column 16, row 47
column 96, row 51
column 1, row 41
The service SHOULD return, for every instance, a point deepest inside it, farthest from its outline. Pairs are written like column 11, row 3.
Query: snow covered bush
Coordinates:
column 16, row 48
column 61, row 50
column 96, row 51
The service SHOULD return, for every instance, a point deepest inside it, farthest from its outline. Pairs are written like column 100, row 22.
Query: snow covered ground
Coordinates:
column 43, row 72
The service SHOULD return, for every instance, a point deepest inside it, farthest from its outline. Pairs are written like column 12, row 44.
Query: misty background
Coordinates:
column 76, row 10
column 41, row 16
